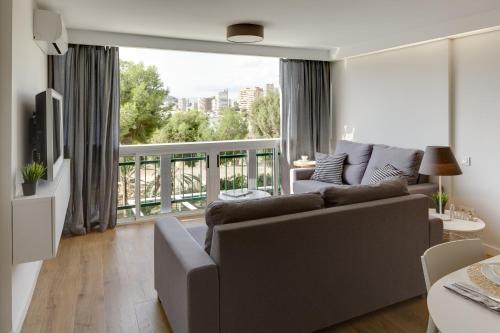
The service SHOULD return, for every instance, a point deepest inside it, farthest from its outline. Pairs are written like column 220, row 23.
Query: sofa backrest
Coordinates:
column 406, row 160
column 351, row 194
column 226, row 212
column 358, row 155
column 310, row 270
column 422, row 179
column 363, row 158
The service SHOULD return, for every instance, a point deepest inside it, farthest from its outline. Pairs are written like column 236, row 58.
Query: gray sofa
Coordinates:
column 293, row 273
column 362, row 159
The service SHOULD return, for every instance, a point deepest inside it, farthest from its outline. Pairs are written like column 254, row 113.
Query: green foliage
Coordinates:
column 440, row 196
column 141, row 102
column 268, row 178
column 232, row 126
column 185, row 126
column 32, row 172
column 233, row 183
column 264, row 116
column 144, row 118
column 240, row 181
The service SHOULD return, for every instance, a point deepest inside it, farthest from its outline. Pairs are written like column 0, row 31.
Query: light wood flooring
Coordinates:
column 103, row 282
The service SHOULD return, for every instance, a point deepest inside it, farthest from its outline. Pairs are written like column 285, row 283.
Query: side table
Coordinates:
column 304, row 164
column 252, row 194
column 456, row 229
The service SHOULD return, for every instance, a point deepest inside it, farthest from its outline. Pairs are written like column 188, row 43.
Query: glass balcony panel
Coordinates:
column 172, row 181
column 189, row 182
column 150, row 198
column 265, row 170
column 126, row 187
column 233, row 170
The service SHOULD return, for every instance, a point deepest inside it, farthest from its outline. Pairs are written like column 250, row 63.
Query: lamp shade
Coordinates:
column 439, row 161
column 245, row 33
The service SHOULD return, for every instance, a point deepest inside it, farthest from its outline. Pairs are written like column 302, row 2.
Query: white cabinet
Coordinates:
column 38, row 220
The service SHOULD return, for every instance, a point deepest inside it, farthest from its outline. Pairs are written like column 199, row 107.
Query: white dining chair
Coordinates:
column 445, row 258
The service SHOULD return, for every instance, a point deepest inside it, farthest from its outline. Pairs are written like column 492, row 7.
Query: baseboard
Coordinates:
column 491, row 250
column 19, row 325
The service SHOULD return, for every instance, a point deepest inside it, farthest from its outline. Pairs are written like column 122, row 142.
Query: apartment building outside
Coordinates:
column 205, row 104
column 221, row 100
column 248, row 96
column 183, row 104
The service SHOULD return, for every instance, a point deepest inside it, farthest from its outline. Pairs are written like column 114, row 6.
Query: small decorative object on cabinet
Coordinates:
column 32, row 172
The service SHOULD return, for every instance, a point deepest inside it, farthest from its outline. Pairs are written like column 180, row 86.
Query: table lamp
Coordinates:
column 439, row 161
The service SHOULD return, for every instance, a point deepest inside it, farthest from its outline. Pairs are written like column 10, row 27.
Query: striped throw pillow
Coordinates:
column 329, row 168
column 384, row 173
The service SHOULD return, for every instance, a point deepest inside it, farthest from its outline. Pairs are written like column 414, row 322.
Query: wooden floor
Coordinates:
column 103, row 282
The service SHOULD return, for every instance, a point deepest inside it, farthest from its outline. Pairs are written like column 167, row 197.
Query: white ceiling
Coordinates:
column 346, row 27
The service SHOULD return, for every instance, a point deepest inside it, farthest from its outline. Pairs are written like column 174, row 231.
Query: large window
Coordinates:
column 185, row 97
column 173, row 96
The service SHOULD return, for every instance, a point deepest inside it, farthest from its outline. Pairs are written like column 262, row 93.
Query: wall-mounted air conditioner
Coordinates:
column 49, row 32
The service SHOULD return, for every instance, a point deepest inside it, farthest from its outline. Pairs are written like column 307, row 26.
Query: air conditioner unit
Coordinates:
column 49, row 32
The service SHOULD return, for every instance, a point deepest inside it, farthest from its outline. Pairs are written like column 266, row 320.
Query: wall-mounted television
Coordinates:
column 47, row 127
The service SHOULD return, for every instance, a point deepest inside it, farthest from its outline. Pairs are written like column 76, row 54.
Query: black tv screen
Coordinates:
column 55, row 129
column 47, row 132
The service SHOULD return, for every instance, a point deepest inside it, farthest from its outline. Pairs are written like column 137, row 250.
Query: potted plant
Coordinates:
column 32, row 172
column 440, row 197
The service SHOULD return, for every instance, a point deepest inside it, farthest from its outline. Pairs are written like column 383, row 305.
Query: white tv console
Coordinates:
column 38, row 220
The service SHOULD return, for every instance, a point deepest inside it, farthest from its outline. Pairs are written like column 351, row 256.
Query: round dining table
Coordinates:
column 453, row 313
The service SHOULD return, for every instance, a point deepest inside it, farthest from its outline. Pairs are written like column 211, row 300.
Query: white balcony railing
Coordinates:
column 177, row 177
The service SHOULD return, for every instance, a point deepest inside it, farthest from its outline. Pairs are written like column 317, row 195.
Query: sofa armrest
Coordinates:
column 186, row 279
column 435, row 231
column 299, row 174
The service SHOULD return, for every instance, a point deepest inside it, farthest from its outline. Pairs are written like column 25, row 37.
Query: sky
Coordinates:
column 196, row 74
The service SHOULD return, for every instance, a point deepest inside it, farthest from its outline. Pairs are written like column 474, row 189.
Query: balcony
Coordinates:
column 184, row 177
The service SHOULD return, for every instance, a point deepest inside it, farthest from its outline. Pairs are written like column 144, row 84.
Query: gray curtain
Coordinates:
column 88, row 78
column 306, row 120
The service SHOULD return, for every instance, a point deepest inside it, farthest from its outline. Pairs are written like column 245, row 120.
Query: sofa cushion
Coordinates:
column 349, row 194
column 358, row 155
column 426, row 189
column 406, row 160
column 225, row 212
column 307, row 186
column 385, row 173
column 329, row 168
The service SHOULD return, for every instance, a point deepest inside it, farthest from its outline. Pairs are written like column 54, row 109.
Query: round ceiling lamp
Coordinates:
column 245, row 33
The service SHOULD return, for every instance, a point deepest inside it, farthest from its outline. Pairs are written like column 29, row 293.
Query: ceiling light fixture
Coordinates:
column 245, row 33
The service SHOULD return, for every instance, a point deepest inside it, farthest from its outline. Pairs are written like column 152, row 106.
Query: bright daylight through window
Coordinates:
column 179, row 97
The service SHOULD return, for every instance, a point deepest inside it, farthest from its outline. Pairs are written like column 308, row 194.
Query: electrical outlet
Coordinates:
column 467, row 161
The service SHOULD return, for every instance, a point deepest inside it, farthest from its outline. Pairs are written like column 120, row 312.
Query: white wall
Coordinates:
column 398, row 97
column 5, row 165
column 29, row 77
column 440, row 93
column 477, row 126
column 29, row 65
